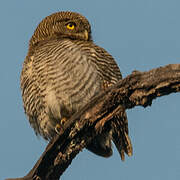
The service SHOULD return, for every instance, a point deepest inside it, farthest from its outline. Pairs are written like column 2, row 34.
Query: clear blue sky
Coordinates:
column 141, row 35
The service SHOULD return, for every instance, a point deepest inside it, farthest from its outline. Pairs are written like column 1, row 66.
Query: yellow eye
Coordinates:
column 70, row 25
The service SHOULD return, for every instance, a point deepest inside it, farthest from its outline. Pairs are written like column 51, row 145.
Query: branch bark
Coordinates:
column 137, row 89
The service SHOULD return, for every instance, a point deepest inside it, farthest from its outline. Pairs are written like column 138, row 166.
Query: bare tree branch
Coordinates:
column 137, row 89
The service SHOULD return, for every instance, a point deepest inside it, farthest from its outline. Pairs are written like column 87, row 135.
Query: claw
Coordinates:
column 63, row 120
column 59, row 126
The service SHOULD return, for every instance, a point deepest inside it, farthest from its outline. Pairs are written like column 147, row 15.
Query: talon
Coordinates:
column 63, row 120
column 58, row 128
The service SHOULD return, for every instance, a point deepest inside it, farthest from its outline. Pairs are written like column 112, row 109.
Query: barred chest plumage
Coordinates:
column 68, row 80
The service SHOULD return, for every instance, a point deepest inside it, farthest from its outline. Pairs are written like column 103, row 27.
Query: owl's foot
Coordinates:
column 59, row 126
column 63, row 120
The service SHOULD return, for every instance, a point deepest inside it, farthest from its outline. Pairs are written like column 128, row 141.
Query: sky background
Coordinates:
column 141, row 35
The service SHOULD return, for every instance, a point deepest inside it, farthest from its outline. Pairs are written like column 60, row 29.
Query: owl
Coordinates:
column 63, row 70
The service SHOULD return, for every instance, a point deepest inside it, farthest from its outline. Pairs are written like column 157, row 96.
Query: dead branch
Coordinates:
column 137, row 89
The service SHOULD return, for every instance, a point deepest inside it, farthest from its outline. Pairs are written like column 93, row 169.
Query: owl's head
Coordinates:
column 62, row 25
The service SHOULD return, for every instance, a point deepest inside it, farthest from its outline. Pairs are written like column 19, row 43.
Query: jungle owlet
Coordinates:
column 62, row 72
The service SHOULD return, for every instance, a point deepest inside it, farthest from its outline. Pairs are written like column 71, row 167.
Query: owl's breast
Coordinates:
column 68, row 80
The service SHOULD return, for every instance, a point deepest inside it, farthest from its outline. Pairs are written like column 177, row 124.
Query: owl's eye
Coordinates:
column 71, row 25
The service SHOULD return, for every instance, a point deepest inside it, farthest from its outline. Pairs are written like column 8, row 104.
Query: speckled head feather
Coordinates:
column 54, row 26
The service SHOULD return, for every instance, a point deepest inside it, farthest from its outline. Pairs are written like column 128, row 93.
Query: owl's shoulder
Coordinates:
column 103, row 59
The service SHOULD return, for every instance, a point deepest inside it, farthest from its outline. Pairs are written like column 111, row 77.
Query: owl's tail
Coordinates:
column 101, row 144
column 120, row 135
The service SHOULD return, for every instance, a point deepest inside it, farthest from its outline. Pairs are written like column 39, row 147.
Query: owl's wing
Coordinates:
column 110, row 74
column 28, row 85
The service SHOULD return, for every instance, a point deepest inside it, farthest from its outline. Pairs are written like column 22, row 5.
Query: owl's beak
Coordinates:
column 86, row 35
